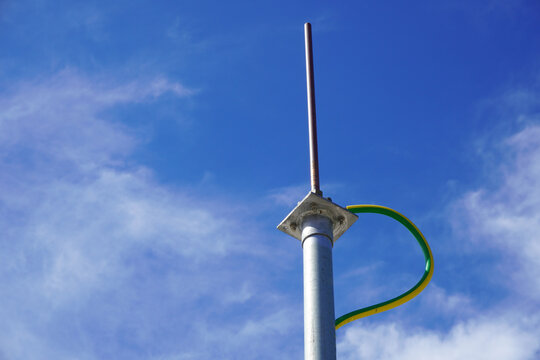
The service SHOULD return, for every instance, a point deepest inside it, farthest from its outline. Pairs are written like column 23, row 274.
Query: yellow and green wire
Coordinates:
column 412, row 292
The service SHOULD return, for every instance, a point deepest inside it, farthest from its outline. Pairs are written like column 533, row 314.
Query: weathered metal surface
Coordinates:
column 319, row 315
column 314, row 204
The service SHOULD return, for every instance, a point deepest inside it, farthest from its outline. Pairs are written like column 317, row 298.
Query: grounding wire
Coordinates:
column 409, row 294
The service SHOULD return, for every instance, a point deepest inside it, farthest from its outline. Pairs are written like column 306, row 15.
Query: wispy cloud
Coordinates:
column 94, row 248
column 509, row 337
column 439, row 300
column 503, row 218
column 289, row 195
column 59, row 117
column 507, row 217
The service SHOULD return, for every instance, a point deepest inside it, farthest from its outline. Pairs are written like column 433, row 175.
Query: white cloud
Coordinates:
column 261, row 336
column 60, row 118
column 289, row 195
column 495, row 338
column 507, row 217
column 95, row 249
column 503, row 218
column 437, row 299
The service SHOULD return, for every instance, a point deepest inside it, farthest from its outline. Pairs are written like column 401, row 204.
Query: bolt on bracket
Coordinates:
column 313, row 204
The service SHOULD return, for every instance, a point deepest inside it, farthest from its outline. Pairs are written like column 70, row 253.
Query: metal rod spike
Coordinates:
column 313, row 152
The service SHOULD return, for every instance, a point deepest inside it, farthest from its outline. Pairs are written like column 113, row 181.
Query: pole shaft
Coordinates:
column 313, row 151
column 319, row 316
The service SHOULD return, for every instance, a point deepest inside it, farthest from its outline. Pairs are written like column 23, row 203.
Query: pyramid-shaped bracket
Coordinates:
column 314, row 204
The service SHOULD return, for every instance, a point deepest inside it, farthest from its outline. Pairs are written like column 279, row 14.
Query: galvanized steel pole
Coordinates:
column 317, row 222
column 319, row 316
column 317, row 242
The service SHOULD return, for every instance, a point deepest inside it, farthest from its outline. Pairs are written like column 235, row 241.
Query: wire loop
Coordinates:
column 409, row 294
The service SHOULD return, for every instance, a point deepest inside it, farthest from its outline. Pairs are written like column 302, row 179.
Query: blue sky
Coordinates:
column 148, row 150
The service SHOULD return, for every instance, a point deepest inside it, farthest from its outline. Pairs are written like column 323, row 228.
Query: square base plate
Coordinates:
column 314, row 204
